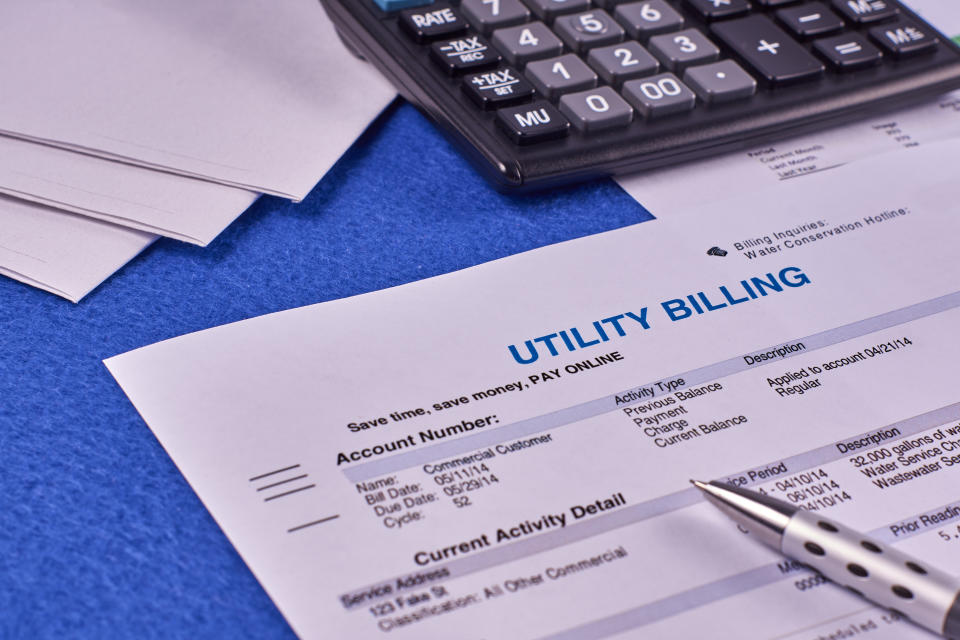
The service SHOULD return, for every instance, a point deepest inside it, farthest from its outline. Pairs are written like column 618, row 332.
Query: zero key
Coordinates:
column 768, row 50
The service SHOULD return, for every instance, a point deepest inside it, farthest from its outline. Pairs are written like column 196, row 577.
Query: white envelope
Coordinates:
column 62, row 253
column 249, row 93
column 166, row 204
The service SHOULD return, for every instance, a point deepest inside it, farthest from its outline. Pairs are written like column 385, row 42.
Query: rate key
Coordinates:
column 431, row 23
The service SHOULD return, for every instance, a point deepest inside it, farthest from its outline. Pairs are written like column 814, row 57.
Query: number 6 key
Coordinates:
column 645, row 19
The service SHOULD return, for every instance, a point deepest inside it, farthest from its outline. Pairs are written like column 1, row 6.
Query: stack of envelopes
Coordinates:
column 124, row 121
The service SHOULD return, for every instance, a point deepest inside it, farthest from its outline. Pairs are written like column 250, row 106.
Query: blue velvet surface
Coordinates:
column 100, row 535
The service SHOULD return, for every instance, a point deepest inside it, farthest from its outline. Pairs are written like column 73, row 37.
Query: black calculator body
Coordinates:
column 539, row 93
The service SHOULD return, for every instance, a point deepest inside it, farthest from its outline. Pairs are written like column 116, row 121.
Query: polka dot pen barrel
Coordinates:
column 914, row 589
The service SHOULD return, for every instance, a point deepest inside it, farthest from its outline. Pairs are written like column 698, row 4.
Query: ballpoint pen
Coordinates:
column 923, row 594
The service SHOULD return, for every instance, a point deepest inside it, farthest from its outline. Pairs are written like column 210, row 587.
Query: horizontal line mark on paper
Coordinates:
column 315, row 522
column 287, row 493
column 271, row 473
column 277, row 484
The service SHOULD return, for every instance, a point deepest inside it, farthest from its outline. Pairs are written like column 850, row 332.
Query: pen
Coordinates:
column 927, row 596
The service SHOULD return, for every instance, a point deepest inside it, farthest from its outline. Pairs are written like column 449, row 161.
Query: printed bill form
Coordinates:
column 503, row 452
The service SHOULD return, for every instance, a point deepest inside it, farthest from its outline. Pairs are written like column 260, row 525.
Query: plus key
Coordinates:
column 768, row 50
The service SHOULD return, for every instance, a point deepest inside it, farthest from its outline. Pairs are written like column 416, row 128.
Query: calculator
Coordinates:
column 541, row 93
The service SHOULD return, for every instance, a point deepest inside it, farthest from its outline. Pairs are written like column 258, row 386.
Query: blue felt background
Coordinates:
column 100, row 535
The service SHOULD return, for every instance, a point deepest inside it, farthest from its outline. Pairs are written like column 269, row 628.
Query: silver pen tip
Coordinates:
column 758, row 513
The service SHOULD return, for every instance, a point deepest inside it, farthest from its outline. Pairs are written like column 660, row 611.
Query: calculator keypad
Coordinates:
column 551, row 69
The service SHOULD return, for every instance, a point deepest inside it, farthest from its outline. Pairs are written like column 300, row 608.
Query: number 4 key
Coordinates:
column 527, row 42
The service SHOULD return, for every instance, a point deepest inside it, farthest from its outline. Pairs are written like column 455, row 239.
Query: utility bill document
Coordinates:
column 504, row 452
